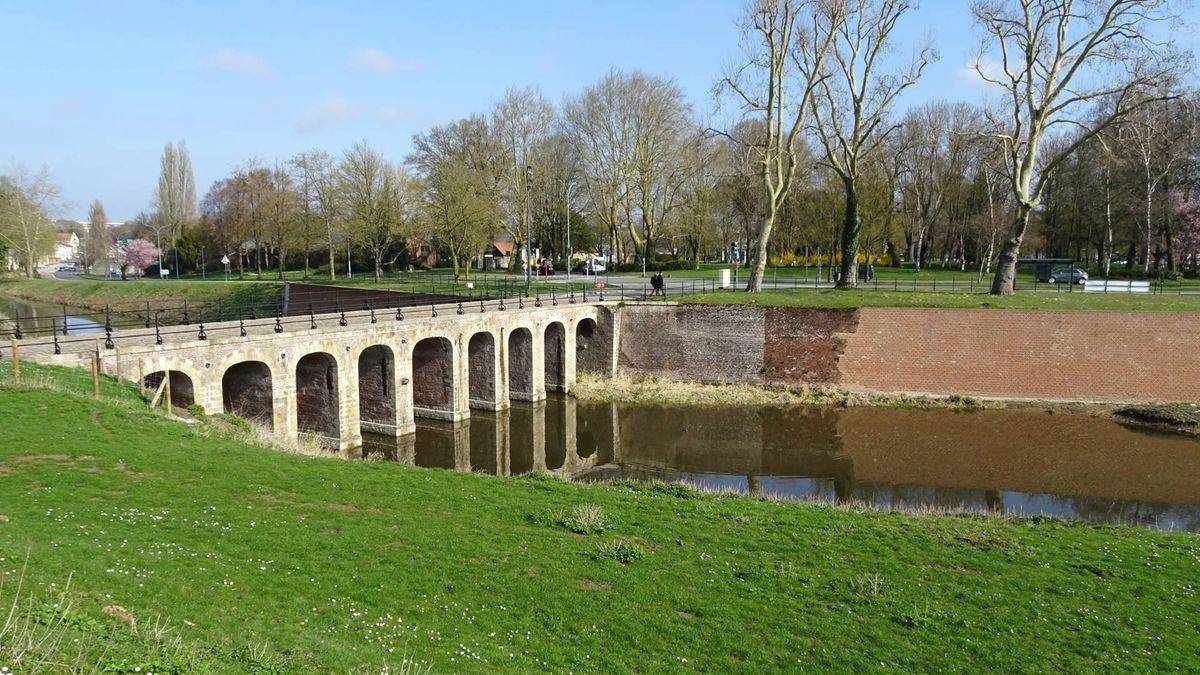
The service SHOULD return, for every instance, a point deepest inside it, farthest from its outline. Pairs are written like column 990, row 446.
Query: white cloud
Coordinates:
column 393, row 114
column 330, row 111
column 379, row 62
column 239, row 62
column 969, row 71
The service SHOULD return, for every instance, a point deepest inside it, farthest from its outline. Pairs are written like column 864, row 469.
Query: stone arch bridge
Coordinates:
column 333, row 376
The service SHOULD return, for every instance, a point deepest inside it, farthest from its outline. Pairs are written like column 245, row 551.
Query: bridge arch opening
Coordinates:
column 317, row 394
column 376, row 391
column 433, row 374
column 520, row 364
column 481, row 363
column 246, row 392
column 556, row 356
column 591, row 340
column 183, row 394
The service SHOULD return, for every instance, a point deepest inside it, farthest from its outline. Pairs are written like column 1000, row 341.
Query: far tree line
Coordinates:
column 1084, row 149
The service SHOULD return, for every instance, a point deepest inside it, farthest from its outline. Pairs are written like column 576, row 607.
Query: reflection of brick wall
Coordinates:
column 1117, row 356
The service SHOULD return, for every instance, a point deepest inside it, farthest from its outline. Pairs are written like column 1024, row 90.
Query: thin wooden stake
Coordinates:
column 96, row 376
column 167, row 393
column 16, row 363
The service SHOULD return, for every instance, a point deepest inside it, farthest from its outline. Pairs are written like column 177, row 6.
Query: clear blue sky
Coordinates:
column 94, row 91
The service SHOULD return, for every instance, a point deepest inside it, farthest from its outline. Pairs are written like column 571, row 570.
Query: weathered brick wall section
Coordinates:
column 704, row 343
column 1102, row 356
column 1096, row 356
column 803, row 345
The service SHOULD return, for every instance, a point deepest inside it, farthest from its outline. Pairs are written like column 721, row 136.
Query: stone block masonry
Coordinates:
column 1090, row 356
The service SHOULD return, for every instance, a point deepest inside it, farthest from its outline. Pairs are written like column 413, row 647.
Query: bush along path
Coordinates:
column 143, row 542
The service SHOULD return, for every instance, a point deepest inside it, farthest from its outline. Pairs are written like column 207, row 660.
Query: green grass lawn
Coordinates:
column 258, row 560
column 1023, row 300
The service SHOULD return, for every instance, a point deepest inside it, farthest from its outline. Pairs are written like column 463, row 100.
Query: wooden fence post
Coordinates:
column 96, row 376
column 16, row 354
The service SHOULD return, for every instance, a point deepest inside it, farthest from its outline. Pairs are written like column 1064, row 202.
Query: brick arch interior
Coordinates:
column 376, row 391
column 183, row 393
column 317, row 394
column 481, row 367
column 520, row 361
column 555, row 355
column 433, row 373
column 246, row 392
column 592, row 337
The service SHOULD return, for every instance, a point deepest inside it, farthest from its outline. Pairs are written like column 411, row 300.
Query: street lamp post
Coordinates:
column 528, row 227
column 570, row 253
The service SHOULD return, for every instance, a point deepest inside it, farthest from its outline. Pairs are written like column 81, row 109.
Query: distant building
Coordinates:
column 66, row 248
column 497, row 256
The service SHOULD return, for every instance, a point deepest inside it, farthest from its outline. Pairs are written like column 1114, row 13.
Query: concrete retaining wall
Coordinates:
column 1095, row 356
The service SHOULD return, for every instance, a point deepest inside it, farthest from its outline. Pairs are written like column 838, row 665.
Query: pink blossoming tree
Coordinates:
column 140, row 254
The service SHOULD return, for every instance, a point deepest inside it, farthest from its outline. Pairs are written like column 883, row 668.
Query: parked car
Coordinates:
column 1063, row 275
column 591, row 266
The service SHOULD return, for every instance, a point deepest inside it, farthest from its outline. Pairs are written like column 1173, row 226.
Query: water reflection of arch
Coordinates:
column 247, row 391
column 317, row 403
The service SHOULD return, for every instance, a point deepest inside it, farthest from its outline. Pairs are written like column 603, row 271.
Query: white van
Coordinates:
column 591, row 266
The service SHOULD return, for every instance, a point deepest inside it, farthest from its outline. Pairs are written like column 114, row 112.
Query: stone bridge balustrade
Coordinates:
column 335, row 381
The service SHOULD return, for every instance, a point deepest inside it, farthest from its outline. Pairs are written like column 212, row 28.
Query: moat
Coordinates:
column 1024, row 463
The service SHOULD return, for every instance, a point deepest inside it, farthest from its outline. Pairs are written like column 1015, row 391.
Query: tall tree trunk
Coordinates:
column 754, row 285
column 1108, row 245
column 1006, row 266
column 851, row 230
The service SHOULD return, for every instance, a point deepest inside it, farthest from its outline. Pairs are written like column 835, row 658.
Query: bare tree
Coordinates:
column 597, row 122
column 785, row 43
column 282, row 215
column 521, row 123
column 175, row 198
column 1055, row 57
column 98, row 239
column 27, row 200
column 852, row 103
column 379, row 200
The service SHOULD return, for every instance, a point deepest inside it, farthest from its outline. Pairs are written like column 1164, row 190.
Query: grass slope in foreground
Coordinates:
column 259, row 559
column 1024, row 300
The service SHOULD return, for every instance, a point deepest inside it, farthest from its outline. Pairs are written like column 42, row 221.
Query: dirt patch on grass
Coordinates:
column 55, row 457
column 594, row 585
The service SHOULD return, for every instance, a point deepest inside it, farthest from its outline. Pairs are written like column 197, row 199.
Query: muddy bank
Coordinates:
column 591, row 388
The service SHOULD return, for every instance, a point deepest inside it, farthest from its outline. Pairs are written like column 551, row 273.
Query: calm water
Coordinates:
column 1017, row 462
column 43, row 317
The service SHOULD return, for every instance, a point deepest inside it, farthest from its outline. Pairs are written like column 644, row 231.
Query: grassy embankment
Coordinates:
column 622, row 388
column 1024, row 300
column 95, row 294
column 230, row 556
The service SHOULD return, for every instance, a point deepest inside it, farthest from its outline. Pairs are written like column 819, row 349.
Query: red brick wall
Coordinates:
column 1101, row 356
column 1104, row 356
